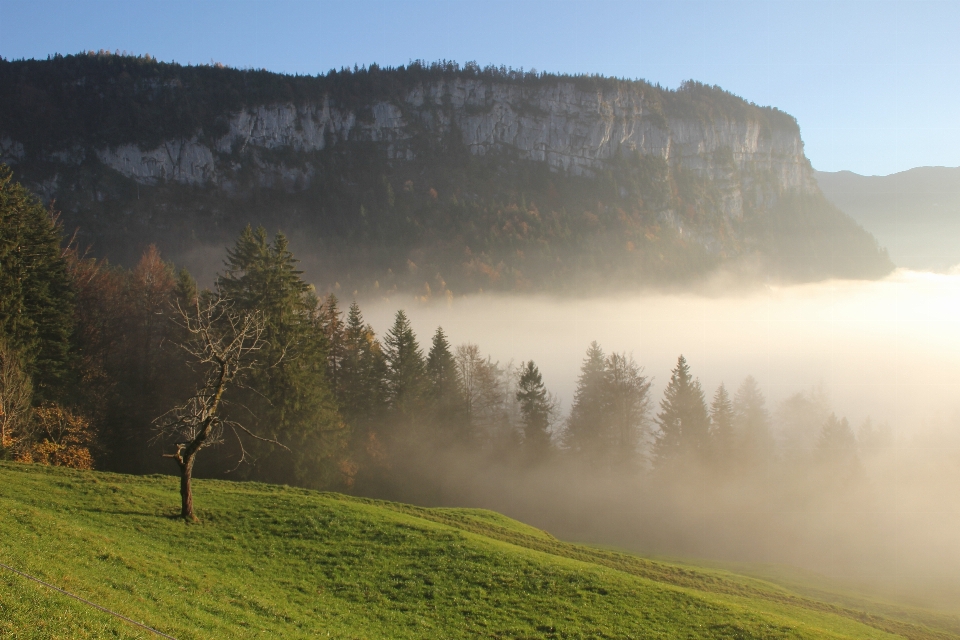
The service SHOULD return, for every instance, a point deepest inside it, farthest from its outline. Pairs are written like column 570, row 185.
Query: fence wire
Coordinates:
column 85, row 601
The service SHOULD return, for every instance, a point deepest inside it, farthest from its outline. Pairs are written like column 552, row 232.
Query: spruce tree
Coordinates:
column 363, row 372
column 405, row 367
column 721, row 426
column 445, row 390
column 586, row 427
column 683, row 421
column 293, row 401
column 36, row 292
column 364, row 397
column 755, row 443
column 628, row 406
column 535, row 411
column 334, row 331
column 837, row 447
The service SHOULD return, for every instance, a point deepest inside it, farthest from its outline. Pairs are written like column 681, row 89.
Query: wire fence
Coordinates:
column 85, row 601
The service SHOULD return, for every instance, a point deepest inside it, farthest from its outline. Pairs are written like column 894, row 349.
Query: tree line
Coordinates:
column 114, row 368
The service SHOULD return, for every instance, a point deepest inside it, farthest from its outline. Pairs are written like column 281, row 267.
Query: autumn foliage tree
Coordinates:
column 16, row 396
column 61, row 437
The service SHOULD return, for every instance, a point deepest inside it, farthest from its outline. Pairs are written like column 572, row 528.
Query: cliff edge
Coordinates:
column 428, row 175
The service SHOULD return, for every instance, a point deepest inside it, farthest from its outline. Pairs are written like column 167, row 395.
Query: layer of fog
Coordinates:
column 888, row 349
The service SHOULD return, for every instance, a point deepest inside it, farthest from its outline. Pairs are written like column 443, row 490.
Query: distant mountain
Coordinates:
column 915, row 213
column 431, row 178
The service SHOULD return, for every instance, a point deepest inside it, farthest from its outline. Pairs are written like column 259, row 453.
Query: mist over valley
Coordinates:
column 884, row 349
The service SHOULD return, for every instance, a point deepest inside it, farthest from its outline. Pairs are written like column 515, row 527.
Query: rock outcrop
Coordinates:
column 570, row 129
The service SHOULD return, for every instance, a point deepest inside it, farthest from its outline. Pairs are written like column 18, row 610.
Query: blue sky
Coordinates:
column 874, row 84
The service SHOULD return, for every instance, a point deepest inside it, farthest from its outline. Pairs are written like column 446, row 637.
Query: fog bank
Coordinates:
column 889, row 349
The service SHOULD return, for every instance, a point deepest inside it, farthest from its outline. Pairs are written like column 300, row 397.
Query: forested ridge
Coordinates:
column 422, row 212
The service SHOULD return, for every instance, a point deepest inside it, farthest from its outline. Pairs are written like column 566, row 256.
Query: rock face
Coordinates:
column 572, row 130
column 539, row 178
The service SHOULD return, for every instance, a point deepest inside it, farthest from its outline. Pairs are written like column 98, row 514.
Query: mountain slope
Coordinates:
column 271, row 561
column 915, row 213
column 431, row 178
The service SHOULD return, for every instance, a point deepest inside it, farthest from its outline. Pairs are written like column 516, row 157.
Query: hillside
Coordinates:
column 915, row 213
column 431, row 178
column 271, row 561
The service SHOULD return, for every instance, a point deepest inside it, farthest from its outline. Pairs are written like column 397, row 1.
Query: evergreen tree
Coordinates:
column 363, row 372
column 364, row 398
column 752, row 423
column 445, row 389
column 628, row 406
column 585, row 432
column 405, row 367
column 333, row 329
column 800, row 419
column 293, row 402
column 536, row 409
column 36, row 294
column 683, row 421
column 721, row 426
column 837, row 447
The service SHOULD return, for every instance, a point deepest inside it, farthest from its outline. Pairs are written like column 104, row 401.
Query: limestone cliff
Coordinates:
column 570, row 129
column 704, row 163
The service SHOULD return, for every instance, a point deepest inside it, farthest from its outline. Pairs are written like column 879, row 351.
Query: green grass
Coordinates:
column 276, row 562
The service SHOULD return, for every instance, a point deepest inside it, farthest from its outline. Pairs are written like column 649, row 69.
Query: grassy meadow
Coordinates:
column 276, row 562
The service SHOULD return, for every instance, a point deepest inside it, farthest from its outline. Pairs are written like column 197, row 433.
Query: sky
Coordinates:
column 874, row 84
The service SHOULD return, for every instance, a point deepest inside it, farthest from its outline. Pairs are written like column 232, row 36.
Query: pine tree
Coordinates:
column 752, row 423
column 721, row 426
column 837, row 447
column 363, row 371
column 405, row 367
column 536, row 409
column 263, row 276
column 36, row 293
column 333, row 329
column 586, row 427
column 683, row 421
column 364, row 398
column 293, row 400
column 628, row 406
column 800, row 419
column 445, row 390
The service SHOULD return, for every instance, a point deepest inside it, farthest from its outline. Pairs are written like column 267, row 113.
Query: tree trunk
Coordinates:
column 186, row 491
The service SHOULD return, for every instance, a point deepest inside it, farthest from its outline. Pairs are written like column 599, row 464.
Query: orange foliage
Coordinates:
column 65, row 439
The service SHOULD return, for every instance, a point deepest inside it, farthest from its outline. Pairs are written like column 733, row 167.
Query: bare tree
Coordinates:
column 222, row 344
column 488, row 392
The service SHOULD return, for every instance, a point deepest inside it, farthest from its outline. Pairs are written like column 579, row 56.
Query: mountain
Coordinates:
column 915, row 213
column 433, row 178
column 280, row 562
